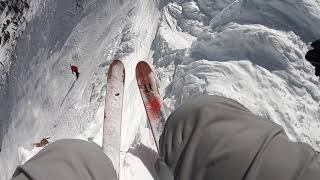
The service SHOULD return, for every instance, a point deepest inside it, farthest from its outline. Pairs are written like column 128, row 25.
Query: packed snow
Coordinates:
column 249, row 50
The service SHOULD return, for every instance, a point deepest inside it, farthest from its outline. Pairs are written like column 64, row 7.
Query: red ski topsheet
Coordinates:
column 151, row 99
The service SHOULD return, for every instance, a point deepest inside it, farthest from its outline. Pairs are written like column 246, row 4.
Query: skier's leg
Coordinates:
column 77, row 74
column 212, row 137
column 68, row 160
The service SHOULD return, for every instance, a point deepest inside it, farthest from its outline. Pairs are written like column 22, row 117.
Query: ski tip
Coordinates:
column 142, row 63
column 143, row 68
column 115, row 63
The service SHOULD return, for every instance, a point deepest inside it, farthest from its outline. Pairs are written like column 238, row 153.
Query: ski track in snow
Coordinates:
column 249, row 50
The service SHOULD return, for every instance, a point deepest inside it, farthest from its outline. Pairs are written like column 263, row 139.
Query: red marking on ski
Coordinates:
column 155, row 107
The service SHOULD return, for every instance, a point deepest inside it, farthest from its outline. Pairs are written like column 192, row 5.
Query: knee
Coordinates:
column 85, row 158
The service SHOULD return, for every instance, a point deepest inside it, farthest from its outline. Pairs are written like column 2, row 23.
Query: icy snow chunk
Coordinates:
column 190, row 10
column 174, row 9
column 213, row 7
column 271, row 49
column 301, row 17
column 186, row 17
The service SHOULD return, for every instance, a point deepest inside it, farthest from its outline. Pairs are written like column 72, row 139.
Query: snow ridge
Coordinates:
column 251, row 51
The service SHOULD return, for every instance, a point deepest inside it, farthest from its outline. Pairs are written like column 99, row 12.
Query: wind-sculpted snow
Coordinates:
column 251, row 51
column 213, row 7
column 300, row 16
column 274, row 50
column 264, row 73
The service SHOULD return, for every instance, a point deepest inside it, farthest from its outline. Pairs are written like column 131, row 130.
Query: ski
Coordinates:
column 111, row 140
column 151, row 99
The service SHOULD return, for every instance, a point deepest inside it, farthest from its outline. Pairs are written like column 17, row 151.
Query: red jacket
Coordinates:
column 74, row 69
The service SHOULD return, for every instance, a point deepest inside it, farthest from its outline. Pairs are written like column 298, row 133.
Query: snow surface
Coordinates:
column 248, row 50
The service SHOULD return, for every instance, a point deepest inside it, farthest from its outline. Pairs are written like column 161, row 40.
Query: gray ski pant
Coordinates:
column 207, row 138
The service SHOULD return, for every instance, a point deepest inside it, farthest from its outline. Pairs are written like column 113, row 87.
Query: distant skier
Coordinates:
column 313, row 56
column 74, row 69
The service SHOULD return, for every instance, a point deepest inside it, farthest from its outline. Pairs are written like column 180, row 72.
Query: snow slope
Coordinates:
column 103, row 30
column 248, row 50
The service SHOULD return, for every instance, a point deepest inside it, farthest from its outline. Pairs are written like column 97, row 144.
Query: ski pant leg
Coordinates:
column 213, row 137
column 68, row 159
column 77, row 74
